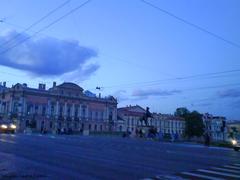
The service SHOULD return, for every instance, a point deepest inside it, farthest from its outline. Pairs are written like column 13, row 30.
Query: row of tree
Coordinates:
column 194, row 122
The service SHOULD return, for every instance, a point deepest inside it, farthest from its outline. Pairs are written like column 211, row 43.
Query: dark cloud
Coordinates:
column 47, row 56
column 154, row 92
column 229, row 93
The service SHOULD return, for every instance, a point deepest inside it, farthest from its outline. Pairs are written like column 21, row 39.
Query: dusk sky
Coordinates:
column 133, row 51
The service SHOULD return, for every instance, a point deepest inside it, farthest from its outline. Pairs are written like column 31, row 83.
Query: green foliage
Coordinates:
column 181, row 112
column 233, row 133
column 194, row 123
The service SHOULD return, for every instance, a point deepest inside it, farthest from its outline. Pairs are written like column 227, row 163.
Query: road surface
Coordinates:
column 102, row 157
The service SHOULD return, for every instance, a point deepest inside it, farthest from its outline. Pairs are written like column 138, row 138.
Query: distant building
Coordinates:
column 131, row 116
column 63, row 106
column 165, row 123
column 213, row 126
column 169, row 124
column 234, row 127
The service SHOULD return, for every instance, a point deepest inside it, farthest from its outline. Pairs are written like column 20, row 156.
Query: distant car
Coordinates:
column 236, row 144
column 7, row 128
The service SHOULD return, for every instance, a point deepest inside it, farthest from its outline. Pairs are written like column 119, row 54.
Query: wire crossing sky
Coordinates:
column 161, row 54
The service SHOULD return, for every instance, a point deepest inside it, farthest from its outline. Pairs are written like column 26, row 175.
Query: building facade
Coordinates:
column 61, row 107
column 169, row 124
column 164, row 123
column 130, row 117
column 214, row 127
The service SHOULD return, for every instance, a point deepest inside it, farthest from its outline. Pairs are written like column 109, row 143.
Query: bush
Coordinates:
column 222, row 144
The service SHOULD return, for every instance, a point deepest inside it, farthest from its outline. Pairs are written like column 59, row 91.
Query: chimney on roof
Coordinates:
column 41, row 86
column 24, row 85
column 4, row 84
column 99, row 95
column 54, row 84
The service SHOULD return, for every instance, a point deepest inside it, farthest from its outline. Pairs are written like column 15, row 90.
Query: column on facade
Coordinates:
column 80, row 112
column 49, row 108
column 73, row 110
column 106, row 114
column 0, row 107
column 65, row 109
column 21, row 109
column 72, row 114
column 87, row 110
column 57, row 109
column 10, row 106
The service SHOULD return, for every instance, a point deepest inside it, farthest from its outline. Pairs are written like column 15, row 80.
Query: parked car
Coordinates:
column 236, row 144
column 7, row 127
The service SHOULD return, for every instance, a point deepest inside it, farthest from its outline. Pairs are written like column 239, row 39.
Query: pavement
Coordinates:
column 99, row 157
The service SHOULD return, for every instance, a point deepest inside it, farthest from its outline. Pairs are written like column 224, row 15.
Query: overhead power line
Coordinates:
column 36, row 23
column 191, row 24
column 46, row 27
column 156, row 82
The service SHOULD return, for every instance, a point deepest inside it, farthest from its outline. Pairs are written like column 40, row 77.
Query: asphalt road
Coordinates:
column 78, row 157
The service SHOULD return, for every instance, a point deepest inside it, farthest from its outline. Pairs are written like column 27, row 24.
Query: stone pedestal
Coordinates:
column 144, row 129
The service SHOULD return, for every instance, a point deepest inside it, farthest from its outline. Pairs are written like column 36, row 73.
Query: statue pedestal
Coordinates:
column 144, row 130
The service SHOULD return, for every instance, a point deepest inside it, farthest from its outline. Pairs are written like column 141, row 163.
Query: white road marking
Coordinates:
column 226, row 170
column 201, row 176
column 233, row 167
column 169, row 177
column 219, row 173
column 7, row 141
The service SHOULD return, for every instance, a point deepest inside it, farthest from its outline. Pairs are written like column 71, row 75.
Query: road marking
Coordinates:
column 219, row 173
column 233, row 167
column 7, row 141
column 236, row 164
column 168, row 177
column 201, row 176
column 227, row 170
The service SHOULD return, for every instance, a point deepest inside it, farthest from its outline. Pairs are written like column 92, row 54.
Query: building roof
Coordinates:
column 132, row 110
column 69, row 85
column 168, row 117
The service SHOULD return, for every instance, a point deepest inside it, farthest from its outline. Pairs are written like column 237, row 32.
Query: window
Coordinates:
column 68, row 111
column 76, row 112
column 44, row 110
column 83, row 111
column 61, row 110
column 89, row 127
column 36, row 109
column 29, row 109
column 96, row 115
column 52, row 109
column 95, row 127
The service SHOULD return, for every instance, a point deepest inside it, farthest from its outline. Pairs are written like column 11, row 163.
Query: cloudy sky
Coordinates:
column 165, row 55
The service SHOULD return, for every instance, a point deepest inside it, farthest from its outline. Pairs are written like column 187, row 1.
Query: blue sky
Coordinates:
column 120, row 44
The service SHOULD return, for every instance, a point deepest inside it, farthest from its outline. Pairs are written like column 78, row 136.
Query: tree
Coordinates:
column 182, row 112
column 194, row 124
column 233, row 133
